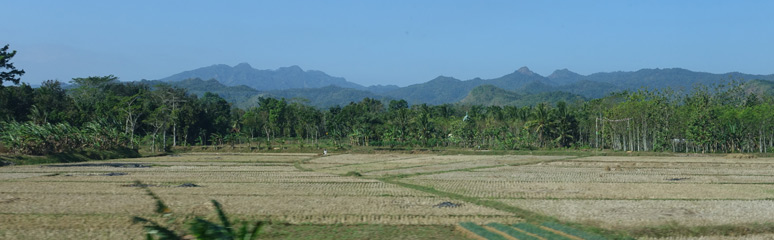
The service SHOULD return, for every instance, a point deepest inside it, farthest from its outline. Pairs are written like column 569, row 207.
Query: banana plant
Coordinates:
column 199, row 228
column 204, row 229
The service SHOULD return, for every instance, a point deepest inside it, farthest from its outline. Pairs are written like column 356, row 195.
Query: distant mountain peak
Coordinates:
column 563, row 73
column 294, row 68
column 243, row 65
column 525, row 70
column 282, row 78
column 444, row 78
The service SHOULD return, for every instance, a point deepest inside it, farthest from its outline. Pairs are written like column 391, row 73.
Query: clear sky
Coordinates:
column 386, row 42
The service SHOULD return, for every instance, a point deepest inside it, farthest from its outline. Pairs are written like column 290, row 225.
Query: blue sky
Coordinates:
column 386, row 42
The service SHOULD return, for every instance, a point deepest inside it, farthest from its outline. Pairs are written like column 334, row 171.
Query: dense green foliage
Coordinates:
column 321, row 97
column 47, row 138
column 245, row 97
column 489, row 95
column 292, row 82
column 8, row 72
column 100, row 112
column 239, row 95
column 524, row 87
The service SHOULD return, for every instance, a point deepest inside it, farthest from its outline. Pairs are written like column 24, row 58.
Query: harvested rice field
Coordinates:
column 626, row 192
column 633, row 213
column 376, row 165
column 394, row 193
column 100, row 197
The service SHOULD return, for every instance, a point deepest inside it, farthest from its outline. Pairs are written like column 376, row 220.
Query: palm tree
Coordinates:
column 540, row 122
column 565, row 124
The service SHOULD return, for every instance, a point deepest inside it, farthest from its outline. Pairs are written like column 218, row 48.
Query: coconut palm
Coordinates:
column 540, row 123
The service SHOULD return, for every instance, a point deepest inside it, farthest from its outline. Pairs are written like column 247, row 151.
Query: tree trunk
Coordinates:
column 267, row 134
column 164, row 140
column 644, row 136
column 174, row 134
column 153, row 143
column 760, row 140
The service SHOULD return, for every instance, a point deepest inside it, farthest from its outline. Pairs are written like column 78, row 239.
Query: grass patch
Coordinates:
column 297, row 164
column 527, row 215
column 539, row 231
column 674, row 229
column 511, row 231
column 573, row 231
column 80, row 156
column 470, row 169
column 366, row 231
column 353, row 174
column 481, row 231
column 521, row 213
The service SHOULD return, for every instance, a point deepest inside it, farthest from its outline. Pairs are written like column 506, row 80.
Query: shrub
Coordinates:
column 199, row 227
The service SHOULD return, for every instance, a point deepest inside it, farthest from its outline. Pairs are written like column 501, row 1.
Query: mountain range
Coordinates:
column 241, row 84
column 282, row 78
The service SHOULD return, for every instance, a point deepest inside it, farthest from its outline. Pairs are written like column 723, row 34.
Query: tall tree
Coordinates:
column 566, row 125
column 52, row 103
column 399, row 118
column 8, row 72
column 274, row 112
column 16, row 102
column 215, row 116
column 93, row 99
column 540, row 123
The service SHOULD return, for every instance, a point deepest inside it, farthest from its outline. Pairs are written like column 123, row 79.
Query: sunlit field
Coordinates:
column 392, row 191
column 98, row 199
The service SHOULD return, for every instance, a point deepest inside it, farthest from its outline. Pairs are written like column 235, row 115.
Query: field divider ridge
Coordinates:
column 523, row 214
column 475, row 168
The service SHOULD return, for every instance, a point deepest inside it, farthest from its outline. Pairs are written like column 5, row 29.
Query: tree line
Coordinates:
column 103, row 113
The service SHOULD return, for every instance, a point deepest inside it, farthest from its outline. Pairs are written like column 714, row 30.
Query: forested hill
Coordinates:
column 597, row 85
column 282, row 78
column 241, row 83
column 318, row 97
column 489, row 95
column 232, row 94
column 245, row 97
column 759, row 87
column 104, row 114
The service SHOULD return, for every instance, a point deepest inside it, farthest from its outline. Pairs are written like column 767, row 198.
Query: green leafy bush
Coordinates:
column 44, row 139
column 199, row 228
